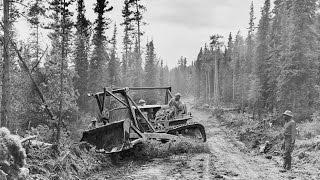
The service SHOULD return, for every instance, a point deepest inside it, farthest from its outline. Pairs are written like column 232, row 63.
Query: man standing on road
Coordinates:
column 289, row 139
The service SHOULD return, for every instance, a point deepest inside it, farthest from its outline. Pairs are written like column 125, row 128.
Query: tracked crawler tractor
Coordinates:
column 126, row 124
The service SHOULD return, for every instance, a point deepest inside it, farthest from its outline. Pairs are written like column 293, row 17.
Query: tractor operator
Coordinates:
column 289, row 139
column 177, row 105
column 93, row 124
column 142, row 102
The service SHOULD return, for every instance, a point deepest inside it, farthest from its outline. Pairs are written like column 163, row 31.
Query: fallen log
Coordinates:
column 28, row 138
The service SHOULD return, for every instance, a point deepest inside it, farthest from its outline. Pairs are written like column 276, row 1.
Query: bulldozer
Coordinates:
column 126, row 124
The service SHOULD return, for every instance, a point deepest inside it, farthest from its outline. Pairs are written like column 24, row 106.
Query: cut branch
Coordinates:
column 38, row 62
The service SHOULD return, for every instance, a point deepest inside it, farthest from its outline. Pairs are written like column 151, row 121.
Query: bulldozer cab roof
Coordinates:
column 166, row 89
column 150, row 106
column 125, row 90
column 116, row 90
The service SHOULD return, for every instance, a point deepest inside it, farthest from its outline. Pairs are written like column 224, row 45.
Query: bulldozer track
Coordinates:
column 188, row 125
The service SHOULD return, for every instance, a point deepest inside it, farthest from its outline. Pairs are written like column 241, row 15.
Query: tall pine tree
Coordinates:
column 113, row 65
column 99, row 57
column 81, row 55
column 259, row 87
column 298, row 68
column 127, row 15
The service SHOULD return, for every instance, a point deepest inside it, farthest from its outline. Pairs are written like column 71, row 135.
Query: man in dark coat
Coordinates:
column 289, row 139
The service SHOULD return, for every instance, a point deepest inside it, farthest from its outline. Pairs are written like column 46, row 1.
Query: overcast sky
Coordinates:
column 181, row 27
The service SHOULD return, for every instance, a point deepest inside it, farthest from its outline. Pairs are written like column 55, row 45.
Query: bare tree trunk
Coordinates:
column 37, row 43
column 6, row 67
column 206, row 88
column 216, row 82
column 138, row 25
column 63, row 54
column 209, row 87
column 242, row 94
column 233, row 88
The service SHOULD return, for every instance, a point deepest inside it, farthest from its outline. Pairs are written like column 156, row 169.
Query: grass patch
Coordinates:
column 309, row 130
column 154, row 149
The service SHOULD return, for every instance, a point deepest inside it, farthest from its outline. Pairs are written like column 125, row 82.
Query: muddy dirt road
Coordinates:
column 227, row 160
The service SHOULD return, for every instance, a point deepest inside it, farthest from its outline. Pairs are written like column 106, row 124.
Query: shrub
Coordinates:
column 12, row 155
column 238, row 120
column 217, row 112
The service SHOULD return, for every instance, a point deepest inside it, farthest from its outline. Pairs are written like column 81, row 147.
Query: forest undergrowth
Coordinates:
column 264, row 137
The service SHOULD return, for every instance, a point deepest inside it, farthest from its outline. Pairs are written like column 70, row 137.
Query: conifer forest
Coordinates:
column 89, row 95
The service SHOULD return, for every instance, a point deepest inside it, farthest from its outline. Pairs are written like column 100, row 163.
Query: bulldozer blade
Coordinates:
column 110, row 138
column 193, row 130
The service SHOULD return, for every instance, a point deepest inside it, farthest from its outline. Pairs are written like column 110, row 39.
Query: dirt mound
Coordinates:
column 253, row 133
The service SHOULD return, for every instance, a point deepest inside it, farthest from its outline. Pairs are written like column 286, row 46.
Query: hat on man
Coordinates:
column 288, row 113
column 178, row 94
column 94, row 120
column 141, row 101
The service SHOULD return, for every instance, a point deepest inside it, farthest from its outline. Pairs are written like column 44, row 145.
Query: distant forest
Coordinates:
column 273, row 68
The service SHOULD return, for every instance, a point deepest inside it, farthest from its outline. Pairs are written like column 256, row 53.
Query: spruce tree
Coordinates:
column 81, row 55
column 215, row 48
column 259, row 89
column 150, row 72
column 237, row 66
column 227, row 73
column 139, row 9
column 35, row 12
column 150, row 76
column 198, row 67
column 136, row 66
column 277, row 45
column 99, row 57
column 298, row 68
column 161, row 75
column 127, row 15
column 113, row 64
column 58, row 86
column 250, row 41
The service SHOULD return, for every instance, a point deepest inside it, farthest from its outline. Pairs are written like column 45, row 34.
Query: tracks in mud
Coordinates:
column 227, row 159
column 191, row 167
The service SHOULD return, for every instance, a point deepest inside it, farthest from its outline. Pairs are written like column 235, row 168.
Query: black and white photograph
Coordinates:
column 159, row 89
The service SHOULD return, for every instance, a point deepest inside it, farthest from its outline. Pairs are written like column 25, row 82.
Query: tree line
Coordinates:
column 49, row 85
column 273, row 68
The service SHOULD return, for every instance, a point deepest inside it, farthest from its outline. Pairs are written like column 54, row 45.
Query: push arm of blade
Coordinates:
column 138, row 132
column 142, row 114
column 132, row 112
column 118, row 99
column 99, row 103
column 104, row 97
column 170, row 94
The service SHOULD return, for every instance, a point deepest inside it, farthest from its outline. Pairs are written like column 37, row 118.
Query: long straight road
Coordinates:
column 226, row 160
